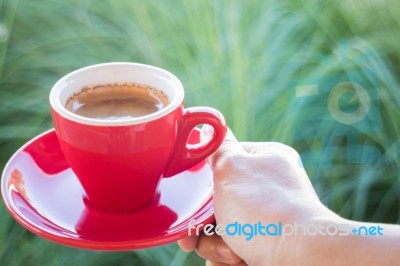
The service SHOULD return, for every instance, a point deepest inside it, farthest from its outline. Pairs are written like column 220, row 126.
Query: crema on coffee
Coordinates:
column 117, row 101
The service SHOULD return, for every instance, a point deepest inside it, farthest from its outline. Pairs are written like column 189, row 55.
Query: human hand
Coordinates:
column 257, row 182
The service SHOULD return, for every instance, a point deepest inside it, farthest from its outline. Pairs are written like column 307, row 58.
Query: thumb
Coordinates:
column 229, row 147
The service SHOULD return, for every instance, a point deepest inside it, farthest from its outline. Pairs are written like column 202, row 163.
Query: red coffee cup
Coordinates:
column 121, row 162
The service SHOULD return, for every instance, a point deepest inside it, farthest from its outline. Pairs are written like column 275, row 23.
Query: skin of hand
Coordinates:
column 265, row 182
column 256, row 182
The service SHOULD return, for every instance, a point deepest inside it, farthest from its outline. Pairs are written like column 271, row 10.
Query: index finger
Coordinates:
column 229, row 147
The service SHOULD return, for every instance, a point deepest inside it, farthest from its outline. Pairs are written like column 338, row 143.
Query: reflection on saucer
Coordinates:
column 47, row 154
column 43, row 194
column 94, row 223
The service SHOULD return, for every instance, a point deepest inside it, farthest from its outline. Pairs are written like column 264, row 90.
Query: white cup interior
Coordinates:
column 116, row 73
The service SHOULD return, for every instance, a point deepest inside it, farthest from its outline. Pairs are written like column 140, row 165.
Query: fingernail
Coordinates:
column 224, row 252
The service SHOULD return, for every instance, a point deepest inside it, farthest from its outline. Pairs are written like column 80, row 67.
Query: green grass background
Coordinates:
column 241, row 57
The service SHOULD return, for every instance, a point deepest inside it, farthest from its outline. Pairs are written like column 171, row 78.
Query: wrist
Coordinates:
column 317, row 249
column 301, row 237
column 316, row 226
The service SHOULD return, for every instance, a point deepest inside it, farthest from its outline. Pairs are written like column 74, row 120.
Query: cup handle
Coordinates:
column 186, row 156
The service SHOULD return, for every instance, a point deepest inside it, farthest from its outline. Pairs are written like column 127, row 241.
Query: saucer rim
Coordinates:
column 88, row 244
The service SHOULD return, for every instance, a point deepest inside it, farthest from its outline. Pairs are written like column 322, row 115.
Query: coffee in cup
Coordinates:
column 121, row 138
column 117, row 101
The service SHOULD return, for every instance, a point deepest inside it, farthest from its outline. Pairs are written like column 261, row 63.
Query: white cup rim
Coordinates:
column 172, row 86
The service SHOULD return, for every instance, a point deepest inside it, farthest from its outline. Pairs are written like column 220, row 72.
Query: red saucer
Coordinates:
column 42, row 193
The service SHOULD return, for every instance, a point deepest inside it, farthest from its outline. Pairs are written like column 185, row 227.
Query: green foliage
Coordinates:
column 242, row 57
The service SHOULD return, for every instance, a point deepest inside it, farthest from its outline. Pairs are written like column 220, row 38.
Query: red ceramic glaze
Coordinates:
column 121, row 163
column 120, row 167
column 43, row 194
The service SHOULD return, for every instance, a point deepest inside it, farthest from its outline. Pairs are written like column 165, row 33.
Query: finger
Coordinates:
column 212, row 263
column 267, row 148
column 213, row 248
column 206, row 132
column 228, row 147
column 256, row 147
column 189, row 243
column 242, row 263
